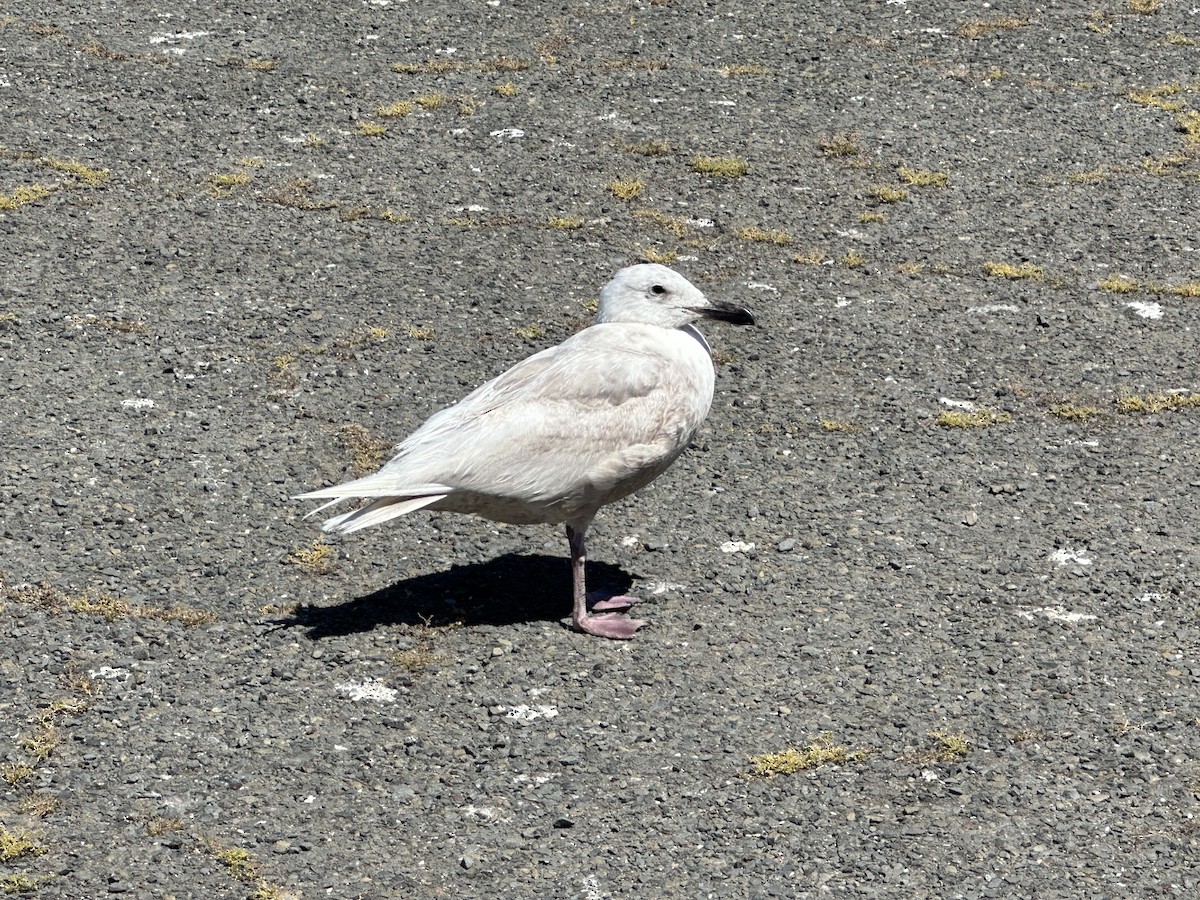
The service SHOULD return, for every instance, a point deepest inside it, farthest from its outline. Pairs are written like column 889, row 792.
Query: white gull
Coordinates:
column 566, row 431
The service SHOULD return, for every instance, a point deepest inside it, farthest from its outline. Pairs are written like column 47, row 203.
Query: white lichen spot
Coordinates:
column 736, row 547
column 1147, row 309
column 109, row 673
column 1065, row 556
column 510, row 134
column 1056, row 614
column 993, row 308
column 370, row 689
column 965, row 405
column 532, row 779
column 485, row 815
column 138, row 403
column 174, row 38
column 661, row 587
column 524, row 712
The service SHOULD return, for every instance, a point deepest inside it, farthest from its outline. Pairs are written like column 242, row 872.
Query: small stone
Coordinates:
column 786, row 545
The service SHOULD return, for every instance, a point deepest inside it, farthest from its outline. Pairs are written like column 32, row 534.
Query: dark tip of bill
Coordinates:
column 727, row 312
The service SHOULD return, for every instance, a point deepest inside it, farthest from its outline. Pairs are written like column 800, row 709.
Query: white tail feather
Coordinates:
column 377, row 511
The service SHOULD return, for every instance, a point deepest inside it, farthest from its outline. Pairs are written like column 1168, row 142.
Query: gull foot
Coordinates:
column 621, row 602
column 614, row 625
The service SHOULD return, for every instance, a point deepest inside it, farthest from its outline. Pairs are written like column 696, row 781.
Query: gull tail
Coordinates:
column 377, row 511
column 384, row 504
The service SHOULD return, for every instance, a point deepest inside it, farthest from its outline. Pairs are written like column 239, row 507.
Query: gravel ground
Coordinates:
column 937, row 532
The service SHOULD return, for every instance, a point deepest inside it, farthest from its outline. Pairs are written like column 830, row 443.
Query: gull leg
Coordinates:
column 615, row 625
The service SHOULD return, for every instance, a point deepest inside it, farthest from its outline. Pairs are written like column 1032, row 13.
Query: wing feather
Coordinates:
column 579, row 424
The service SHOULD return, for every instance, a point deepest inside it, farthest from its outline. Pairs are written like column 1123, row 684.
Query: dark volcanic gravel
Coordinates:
column 247, row 246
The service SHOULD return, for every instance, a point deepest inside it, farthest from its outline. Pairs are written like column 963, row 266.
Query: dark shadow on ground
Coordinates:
column 509, row 589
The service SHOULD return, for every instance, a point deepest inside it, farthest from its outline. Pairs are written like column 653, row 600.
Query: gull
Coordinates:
column 566, row 431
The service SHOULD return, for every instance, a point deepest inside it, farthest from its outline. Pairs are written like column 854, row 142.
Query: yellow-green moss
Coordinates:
column 240, row 863
column 841, row 146
column 649, row 148
column 662, row 257
column 1156, row 403
column 39, row 805
column 435, row 100
column 396, row 110
column 1075, row 412
column 1156, row 97
column 531, row 332
column 42, row 743
column 88, row 175
column 810, row 257
column 1189, row 124
column 720, row 166
column 976, row 418
column 821, row 752
column 949, row 746
column 754, row 233
column 886, row 193
column 676, row 225
column 366, row 452
column 1167, row 164
column 1187, row 289
column 370, row 129
column 317, row 559
column 626, row 188
column 923, row 178
column 1093, row 176
column 18, row 844
column 1013, row 271
column 222, row 183
column 107, row 606
column 21, row 883
column 23, row 195
column 14, row 773
column 1119, row 284
column 160, row 825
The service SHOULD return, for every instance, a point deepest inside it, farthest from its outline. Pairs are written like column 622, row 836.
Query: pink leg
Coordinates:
column 614, row 625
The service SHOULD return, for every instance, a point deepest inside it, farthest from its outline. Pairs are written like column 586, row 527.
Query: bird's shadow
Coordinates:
column 511, row 588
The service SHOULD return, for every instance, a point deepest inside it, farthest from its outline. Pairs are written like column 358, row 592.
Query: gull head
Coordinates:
column 650, row 294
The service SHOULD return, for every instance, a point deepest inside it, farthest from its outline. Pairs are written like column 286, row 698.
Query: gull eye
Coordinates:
column 658, row 289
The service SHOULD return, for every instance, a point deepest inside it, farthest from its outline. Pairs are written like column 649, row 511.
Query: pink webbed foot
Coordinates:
column 614, row 625
column 620, row 603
